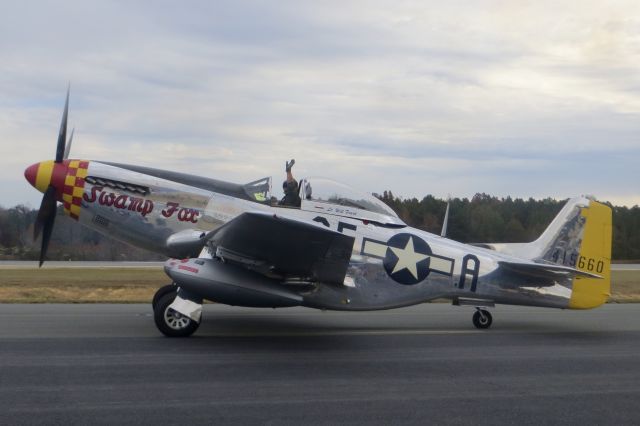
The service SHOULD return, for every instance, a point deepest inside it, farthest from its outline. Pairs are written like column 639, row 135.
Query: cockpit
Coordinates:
column 329, row 197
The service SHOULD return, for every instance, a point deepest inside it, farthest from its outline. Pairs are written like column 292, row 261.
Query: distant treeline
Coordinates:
column 69, row 241
column 482, row 218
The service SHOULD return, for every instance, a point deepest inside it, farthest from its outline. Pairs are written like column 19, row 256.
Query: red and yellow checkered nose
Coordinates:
column 66, row 177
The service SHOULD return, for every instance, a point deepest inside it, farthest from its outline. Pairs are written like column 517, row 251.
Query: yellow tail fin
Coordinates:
column 595, row 257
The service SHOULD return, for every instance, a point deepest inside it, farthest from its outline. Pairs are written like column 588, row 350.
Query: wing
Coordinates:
column 284, row 246
column 540, row 270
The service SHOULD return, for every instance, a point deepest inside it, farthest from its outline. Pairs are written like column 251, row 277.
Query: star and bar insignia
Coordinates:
column 406, row 258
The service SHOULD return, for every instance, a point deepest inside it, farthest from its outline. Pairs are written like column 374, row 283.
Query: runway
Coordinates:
column 32, row 264
column 107, row 364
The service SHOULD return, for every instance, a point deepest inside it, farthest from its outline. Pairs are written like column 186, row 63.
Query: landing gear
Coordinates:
column 169, row 322
column 482, row 318
column 170, row 288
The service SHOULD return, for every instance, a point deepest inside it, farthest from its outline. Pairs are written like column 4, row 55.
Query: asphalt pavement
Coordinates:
column 107, row 364
column 33, row 264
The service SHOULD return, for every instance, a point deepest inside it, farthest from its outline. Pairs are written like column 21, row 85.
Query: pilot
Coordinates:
column 290, row 187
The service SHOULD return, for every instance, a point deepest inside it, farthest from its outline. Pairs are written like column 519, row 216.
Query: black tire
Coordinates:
column 169, row 288
column 171, row 323
column 482, row 319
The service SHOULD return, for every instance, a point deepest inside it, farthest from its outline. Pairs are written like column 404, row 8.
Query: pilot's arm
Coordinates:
column 288, row 166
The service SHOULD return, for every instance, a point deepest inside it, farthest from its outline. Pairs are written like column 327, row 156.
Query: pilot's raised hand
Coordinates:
column 289, row 165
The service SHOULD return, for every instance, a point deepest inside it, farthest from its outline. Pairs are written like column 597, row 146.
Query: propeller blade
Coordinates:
column 46, row 236
column 44, row 221
column 62, row 136
column 68, row 147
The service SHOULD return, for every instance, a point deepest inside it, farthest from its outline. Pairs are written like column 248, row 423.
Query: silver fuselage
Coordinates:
column 160, row 204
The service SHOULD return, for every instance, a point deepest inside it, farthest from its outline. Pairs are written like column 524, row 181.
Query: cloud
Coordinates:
column 500, row 97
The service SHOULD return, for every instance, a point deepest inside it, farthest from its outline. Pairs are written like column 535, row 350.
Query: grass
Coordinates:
column 625, row 286
column 80, row 285
column 137, row 285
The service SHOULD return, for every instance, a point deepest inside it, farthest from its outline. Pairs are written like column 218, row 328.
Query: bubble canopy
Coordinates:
column 322, row 194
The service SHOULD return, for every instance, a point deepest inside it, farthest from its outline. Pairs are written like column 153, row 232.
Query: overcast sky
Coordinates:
column 528, row 99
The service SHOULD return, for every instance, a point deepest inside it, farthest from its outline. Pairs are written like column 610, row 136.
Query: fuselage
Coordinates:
column 391, row 265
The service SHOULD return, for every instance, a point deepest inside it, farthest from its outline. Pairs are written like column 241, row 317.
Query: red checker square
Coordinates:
column 77, row 201
column 72, row 171
column 67, row 206
column 68, row 190
column 79, row 182
column 83, row 165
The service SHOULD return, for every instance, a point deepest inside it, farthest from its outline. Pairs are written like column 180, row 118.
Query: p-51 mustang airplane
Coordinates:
column 340, row 249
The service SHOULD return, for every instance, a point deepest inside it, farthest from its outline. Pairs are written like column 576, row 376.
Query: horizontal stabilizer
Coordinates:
column 546, row 270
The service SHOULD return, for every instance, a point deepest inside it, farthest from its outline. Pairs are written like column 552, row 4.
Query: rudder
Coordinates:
column 594, row 257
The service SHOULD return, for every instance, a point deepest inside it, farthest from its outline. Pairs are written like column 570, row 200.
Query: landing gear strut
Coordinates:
column 169, row 322
column 482, row 318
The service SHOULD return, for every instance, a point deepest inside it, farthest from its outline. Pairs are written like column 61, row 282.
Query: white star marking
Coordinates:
column 408, row 258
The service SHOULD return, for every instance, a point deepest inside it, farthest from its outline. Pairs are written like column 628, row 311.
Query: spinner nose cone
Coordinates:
column 43, row 174
column 31, row 174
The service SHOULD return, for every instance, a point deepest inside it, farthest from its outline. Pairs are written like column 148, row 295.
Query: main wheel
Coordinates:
column 482, row 319
column 169, row 288
column 172, row 323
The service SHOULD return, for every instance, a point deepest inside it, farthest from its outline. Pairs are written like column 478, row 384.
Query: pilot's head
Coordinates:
column 290, row 187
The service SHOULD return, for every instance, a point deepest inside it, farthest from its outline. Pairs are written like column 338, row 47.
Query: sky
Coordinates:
column 510, row 98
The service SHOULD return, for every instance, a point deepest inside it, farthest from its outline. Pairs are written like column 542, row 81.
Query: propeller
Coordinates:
column 68, row 147
column 47, row 213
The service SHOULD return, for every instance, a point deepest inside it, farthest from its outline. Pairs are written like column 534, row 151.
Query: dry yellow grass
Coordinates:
column 137, row 285
column 625, row 286
column 80, row 285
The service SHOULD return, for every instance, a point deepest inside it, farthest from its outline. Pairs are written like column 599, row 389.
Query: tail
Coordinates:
column 579, row 237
